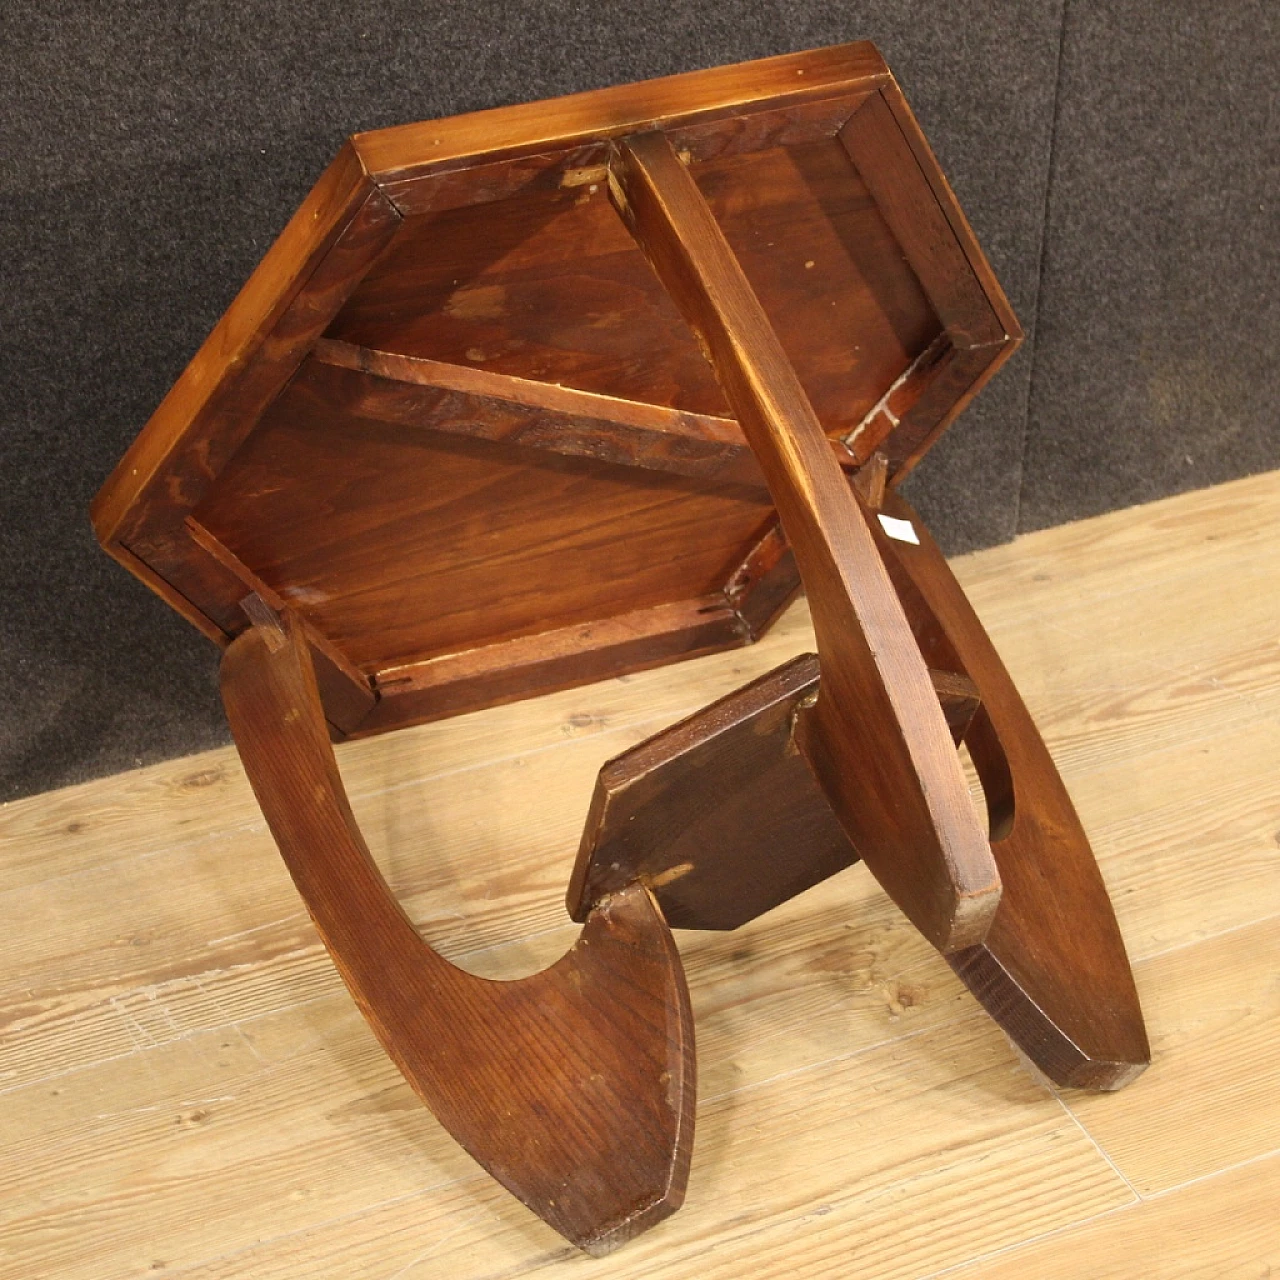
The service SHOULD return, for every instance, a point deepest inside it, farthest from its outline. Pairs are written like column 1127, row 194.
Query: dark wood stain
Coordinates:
column 723, row 819
column 574, row 1087
column 468, row 435
column 1052, row 970
column 876, row 737
column 401, row 545
column 469, row 278
column 721, row 816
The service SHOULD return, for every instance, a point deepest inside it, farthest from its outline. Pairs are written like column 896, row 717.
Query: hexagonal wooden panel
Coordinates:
column 455, row 425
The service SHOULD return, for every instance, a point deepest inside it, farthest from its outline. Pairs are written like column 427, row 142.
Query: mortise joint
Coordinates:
column 585, row 176
column 266, row 619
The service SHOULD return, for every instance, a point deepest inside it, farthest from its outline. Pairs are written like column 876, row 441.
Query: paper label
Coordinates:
column 902, row 530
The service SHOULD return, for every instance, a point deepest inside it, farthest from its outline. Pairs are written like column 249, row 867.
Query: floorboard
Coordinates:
column 185, row 1088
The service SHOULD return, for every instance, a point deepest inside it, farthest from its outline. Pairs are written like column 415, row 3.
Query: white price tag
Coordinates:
column 902, row 530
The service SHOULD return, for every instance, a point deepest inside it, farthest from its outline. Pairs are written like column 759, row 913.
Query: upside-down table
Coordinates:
column 546, row 394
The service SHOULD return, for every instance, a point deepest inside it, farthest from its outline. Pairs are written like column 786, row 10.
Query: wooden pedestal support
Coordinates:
column 382, row 533
column 574, row 1088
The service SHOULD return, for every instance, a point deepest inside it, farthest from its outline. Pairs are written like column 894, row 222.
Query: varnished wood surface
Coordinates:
column 720, row 816
column 466, row 282
column 399, row 549
column 547, row 286
column 980, row 330
column 714, row 98
column 574, row 1087
column 284, row 307
column 539, row 415
column 876, row 736
column 1052, row 971
column 188, row 1090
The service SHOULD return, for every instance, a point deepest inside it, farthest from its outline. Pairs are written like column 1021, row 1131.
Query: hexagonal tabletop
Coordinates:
column 455, row 424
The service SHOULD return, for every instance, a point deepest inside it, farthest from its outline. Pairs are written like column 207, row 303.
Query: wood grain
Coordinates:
column 1150, row 690
column 410, row 152
column 469, row 279
column 186, row 1082
column 1224, row 1227
column 400, row 547
column 428, row 688
column 1052, row 971
column 347, row 694
column 439, row 396
column 340, row 229
column 1210, row 1006
column 886, row 164
column 573, row 1088
column 547, row 287
column 876, row 737
column 720, row 816
column 980, row 331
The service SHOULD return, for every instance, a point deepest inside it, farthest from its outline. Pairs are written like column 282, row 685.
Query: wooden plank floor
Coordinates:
column 188, row 1091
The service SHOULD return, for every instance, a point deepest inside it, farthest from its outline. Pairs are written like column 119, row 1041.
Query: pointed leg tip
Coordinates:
column 1091, row 1075
column 612, row 1237
column 1106, row 1077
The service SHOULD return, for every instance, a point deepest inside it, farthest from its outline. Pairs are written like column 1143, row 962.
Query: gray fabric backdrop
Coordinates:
column 1117, row 158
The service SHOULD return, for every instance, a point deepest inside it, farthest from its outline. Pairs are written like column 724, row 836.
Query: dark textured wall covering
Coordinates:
column 150, row 153
column 1156, row 365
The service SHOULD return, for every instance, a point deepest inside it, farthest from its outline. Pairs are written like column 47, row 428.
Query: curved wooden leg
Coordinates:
column 723, row 818
column 1052, row 971
column 574, row 1088
column 875, row 737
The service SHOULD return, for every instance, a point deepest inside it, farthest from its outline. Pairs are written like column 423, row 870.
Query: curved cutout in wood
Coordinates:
column 941, row 654
column 574, row 1087
column 1052, row 971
